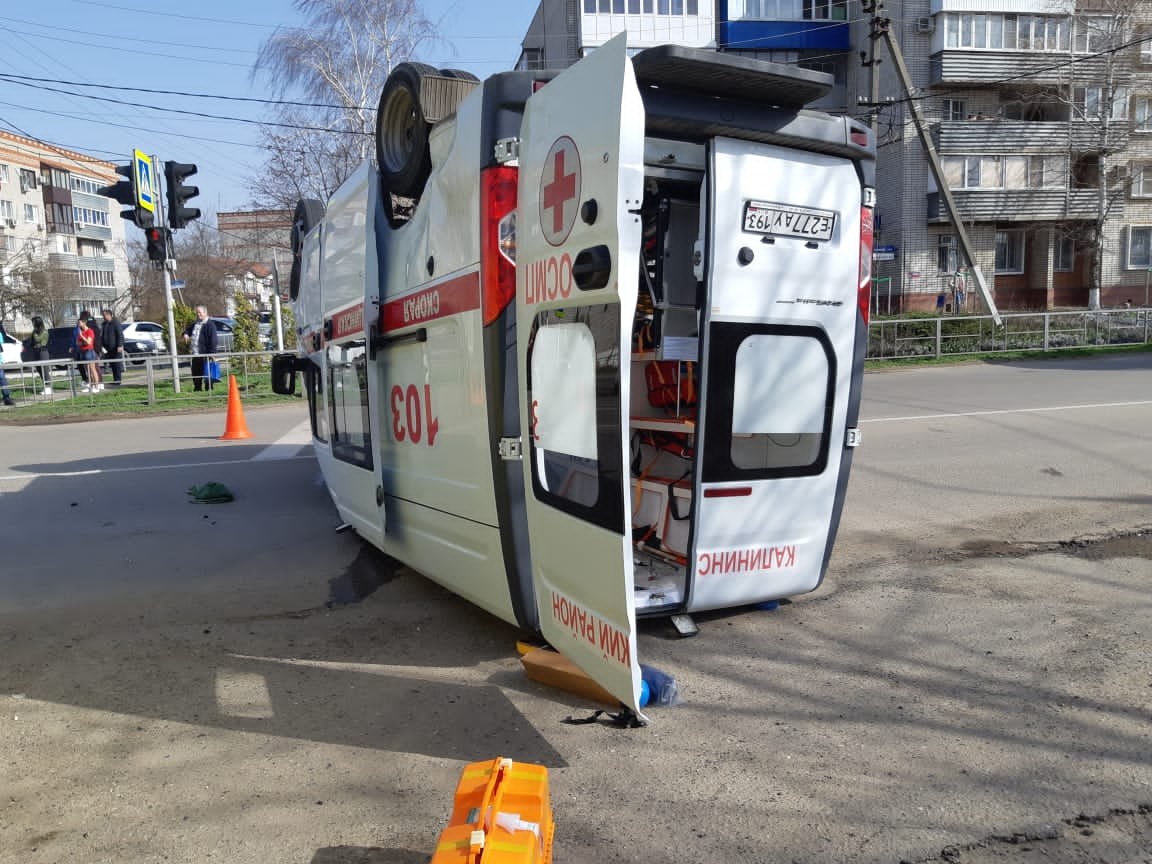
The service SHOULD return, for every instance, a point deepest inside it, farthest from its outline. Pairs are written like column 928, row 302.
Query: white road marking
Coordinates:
column 1006, row 411
column 287, row 445
column 211, row 463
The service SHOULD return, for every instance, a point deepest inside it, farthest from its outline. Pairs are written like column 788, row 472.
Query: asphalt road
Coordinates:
column 187, row 683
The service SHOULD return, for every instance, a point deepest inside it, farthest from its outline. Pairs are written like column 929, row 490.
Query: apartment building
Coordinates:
column 814, row 34
column 1039, row 110
column 61, row 244
column 1040, row 113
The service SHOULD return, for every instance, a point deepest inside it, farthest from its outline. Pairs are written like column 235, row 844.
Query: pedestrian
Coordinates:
column 38, row 346
column 112, row 345
column 200, row 336
column 86, row 353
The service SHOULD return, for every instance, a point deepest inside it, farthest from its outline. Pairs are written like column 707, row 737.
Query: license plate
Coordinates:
column 786, row 220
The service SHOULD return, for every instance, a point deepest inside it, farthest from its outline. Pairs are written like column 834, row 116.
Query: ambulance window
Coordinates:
column 574, row 398
column 348, row 399
column 314, row 384
column 774, row 417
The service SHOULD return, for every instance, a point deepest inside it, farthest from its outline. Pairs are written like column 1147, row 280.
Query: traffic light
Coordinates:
column 157, row 243
column 126, row 193
column 175, row 173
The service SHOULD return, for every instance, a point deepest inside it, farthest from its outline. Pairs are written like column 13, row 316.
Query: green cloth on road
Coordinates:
column 210, row 493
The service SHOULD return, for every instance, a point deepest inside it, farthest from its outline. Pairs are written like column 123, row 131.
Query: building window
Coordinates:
column 1092, row 103
column 1095, row 33
column 3, row 173
column 31, row 213
column 953, row 109
column 1009, row 252
column 6, row 211
column 1142, row 181
column 766, row 10
column 825, row 10
column 1000, row 32
column 86, row 184
column 1005, row 172
column 28, row 179
column 947, row 254
column 1146, row 47
column 1142, row 114
column 1065, row 255
column 1139, row 247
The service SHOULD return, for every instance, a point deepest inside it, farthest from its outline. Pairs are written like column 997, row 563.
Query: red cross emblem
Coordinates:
column 560, row 190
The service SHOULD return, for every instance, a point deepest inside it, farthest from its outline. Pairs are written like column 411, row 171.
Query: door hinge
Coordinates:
column 507, row 150
column 852, row 438
column 509, row 449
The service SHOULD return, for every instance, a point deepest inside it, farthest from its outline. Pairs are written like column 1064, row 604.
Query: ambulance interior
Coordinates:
column 665, row 373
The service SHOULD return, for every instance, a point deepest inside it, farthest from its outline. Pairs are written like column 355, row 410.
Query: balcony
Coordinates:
column 1020, row 136
column 966, row 66
column 1016, row 205
column 791, row 35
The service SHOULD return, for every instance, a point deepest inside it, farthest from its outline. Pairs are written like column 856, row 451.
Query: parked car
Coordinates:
column 224, row 335
column 10, row 350
column 264, row 329
column 143, row 339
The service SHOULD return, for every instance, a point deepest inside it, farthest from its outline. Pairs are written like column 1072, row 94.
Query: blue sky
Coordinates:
column 204, row 47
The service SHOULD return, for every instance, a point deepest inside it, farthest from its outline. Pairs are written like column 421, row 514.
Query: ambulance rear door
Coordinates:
column 783, row 287
column 578, row 246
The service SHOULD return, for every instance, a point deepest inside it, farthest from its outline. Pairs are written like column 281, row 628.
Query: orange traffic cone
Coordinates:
column 234, row 425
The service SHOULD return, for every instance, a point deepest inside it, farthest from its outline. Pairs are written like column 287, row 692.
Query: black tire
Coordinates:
column 459, row 74
column 402, row 132
column 308, row 214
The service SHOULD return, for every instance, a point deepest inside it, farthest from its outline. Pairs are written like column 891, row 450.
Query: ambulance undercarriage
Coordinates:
column 601, row 355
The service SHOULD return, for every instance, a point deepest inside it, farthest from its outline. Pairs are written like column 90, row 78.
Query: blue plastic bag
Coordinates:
column 213, row 371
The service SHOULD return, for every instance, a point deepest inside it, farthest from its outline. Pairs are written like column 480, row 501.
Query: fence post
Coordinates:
column 1046, row 320
column 939, row 334
column 151, row 379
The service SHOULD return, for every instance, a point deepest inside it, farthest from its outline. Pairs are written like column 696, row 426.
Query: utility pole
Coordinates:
column 881, row 30
column 169, row 265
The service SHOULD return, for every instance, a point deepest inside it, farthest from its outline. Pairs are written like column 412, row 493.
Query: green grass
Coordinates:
column 131, row 398
column 1000, row 356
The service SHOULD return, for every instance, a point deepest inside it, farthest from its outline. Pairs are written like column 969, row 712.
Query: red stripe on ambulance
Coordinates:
column 461, row 294
column 746, row 560
column 348, row 322
column 587, row 625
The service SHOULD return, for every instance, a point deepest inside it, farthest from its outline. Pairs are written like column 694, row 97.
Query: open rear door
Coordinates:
column 578, row 247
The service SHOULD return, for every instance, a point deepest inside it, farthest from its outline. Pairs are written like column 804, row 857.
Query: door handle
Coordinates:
column 592, row 268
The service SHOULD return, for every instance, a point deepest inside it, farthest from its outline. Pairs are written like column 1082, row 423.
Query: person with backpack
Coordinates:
column 86, row 353
column 38, row 351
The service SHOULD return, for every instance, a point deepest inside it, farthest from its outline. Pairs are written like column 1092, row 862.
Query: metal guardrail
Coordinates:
column 150, row 377
column 958, row 335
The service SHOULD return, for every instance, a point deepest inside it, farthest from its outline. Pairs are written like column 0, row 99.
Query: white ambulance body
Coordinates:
column 610, row 364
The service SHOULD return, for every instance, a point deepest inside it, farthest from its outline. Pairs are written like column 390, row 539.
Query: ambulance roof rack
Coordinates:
column 712, row 74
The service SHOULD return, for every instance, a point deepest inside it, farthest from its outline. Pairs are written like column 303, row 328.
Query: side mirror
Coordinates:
column 284, row 374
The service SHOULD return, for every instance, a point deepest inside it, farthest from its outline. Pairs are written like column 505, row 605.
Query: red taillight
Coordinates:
column 864, row 288
column 497, row 240
column 728, row 492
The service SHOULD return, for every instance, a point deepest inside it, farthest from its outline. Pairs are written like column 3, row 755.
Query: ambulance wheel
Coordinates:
column 459, row 74
column 402, row 132
column 308, row 213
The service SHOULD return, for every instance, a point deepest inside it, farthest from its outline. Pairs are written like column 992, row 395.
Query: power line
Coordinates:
column 184, row 111
column 190, row 94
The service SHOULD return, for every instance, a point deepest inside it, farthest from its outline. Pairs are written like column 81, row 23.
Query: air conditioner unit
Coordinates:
column 926, row 24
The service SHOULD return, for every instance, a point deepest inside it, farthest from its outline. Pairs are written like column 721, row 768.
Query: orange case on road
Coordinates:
column 501, row 815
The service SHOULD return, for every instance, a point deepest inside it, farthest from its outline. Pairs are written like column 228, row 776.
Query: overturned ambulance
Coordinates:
column 589, row 345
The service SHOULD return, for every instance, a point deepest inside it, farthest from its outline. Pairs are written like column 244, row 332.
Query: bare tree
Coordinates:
column 338, row 60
